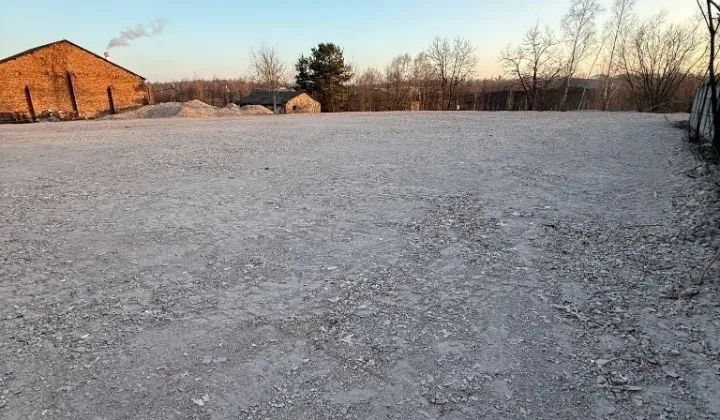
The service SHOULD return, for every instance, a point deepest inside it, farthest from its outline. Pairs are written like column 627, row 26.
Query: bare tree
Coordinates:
column 423, row 73
column 532, row 62
column 514, row 60
column 657, row 58
column 366, row 83
column 544, row 63
column 578, row 27
column 268, row 70
column 397, row 79
column 454, row 61
column 617, row 27
column 598, row 52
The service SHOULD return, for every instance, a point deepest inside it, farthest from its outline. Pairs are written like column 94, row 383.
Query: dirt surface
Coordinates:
column 398, row 265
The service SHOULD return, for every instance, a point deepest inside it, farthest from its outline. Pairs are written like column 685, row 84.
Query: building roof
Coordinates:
column 265, row 97
column 32, row 50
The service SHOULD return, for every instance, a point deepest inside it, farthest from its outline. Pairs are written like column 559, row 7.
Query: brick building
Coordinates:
column 287, row 101
column 66, row 80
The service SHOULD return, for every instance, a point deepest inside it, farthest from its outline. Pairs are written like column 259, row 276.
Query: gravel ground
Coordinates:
column 395, row 265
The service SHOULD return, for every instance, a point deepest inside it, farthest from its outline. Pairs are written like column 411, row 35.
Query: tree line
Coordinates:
column 647, row 64
column 594, row 59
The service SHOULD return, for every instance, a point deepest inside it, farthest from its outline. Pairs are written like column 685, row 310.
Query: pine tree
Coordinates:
column 323, row 75
column 302, row 79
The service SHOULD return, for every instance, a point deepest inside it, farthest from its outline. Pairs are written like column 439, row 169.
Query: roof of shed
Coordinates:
column 265, row 97
column 32, row 50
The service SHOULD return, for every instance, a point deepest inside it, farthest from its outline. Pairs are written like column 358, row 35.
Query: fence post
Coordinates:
column 31, row 108
column 73, row 99
column 111, row 100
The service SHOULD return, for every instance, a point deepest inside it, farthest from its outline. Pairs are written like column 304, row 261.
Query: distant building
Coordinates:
column 287, row 101
column 67, row 81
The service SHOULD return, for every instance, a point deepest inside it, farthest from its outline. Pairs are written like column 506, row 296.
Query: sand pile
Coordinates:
column 190, row 109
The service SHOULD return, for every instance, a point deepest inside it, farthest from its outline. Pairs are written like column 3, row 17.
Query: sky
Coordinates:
column 213, row 38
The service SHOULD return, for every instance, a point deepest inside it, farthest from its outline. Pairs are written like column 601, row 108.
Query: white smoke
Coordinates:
column 140, row 31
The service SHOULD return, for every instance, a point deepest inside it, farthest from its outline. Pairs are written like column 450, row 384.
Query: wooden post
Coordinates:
column 110, row 99
column 73, row 99
column 31, row 108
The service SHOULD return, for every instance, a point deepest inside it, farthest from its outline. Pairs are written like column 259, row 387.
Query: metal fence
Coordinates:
column 701, row 120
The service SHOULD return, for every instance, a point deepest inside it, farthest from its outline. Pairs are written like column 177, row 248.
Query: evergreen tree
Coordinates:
column 323, row 75
column 302, row 79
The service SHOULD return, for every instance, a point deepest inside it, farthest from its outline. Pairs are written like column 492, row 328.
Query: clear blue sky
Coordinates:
column 213, row 37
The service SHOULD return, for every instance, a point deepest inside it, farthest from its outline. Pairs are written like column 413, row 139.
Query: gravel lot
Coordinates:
column 394, row 265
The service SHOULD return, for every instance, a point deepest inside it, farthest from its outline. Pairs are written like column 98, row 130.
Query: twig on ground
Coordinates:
column 659, row 268
column 711, row 261
column 628, row 388
column 691, row 172
column 644, row 225
column 571, row 312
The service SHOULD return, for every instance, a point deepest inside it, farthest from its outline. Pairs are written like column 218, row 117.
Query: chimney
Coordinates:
column 107, row 54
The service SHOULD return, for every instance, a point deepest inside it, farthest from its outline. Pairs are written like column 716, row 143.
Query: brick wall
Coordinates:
column 45, row 72
column 302, row 103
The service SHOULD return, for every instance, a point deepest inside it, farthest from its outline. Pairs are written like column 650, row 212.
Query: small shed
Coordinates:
column 287, row 101
column 65, row 80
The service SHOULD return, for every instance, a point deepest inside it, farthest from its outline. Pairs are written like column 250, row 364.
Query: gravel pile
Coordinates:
column 190, row 109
